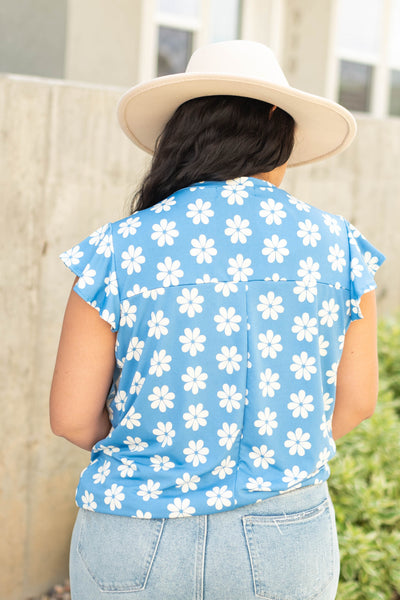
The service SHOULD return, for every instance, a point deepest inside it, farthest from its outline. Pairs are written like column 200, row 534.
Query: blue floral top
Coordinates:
column 231, row 300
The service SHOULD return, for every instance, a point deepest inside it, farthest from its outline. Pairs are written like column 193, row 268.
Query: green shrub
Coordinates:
column 365, row 488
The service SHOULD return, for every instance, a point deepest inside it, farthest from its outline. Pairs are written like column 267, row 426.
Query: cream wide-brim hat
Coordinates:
column 237, row 68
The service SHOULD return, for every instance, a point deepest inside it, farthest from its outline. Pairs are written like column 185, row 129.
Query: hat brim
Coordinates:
column 323, row 127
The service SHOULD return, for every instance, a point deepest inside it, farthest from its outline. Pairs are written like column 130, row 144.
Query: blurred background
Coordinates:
column 66, row 169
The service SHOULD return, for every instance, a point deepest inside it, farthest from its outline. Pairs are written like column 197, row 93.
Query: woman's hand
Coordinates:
column 82, row 375
column 357, row 378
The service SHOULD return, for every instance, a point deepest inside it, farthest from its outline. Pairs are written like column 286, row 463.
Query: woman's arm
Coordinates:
column 82, row 375
column 357, row 379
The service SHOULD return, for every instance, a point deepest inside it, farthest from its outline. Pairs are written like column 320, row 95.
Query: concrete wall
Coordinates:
column 66, row 169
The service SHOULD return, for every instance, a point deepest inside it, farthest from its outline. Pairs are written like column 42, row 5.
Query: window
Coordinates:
column 183, row 25
column 368, row 51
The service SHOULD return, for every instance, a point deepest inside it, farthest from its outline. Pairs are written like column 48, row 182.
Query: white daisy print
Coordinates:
column 128, row 314
column 297, row 442
column 161, row 398
column 336, row 258
column 97, row 236
column 309, row 269
column 270, row 306
column 72, row 256
column 164, row 433
column 257, row 484
column 306, row 289
column 301, row 404
column 149, row 490
column 87, row 277
column 225, row 468
column 120, row 400
column 164, row 232
column 106, row 246
column 275, row 249
column 143, row 515
column 127, row 468
column 305, row 327
column 240, row 268
column 226, row 288
column 195, row 417
column 323, row 345
column 269, row 383
column 227, row 320
column 102, row 472
column 219, row 497
column 195, row 379
column 266, row 422
column 196, row 453
column 227, row 435
column 203, row 249
column 329, row 312
column 371, row 262
column 332, row 223
column 272, row 211
column 135, row 444
column 262, row 457
column 157, row 324
column 111, row 284
column 88, row 501
column 331, row 374
column 169, row 272
column 229, row 359
column 164, row 205
column 303, row 366
column 137, row 383
column 131, row 419
column 269, row 344
column 294, row 476
column 135, row 349
column 323, row 458
column 114, row 496
column 328, row 401
column 160, row 363
column 129, row 227
column 192, row 341
column 299, row 204
column 187, row 482
column 200, row 212
column 356, row 268
column 234, row 191
column 190, row 302
column 161, row 463
column 229, row 397
column 309, row 232
column 132, row 260
column 180, row 507
column 237, row 229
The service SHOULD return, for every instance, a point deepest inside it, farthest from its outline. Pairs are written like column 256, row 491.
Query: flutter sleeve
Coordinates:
column 93, row 261
column 364, row 261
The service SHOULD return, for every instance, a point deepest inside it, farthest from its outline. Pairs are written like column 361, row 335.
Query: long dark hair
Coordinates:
column 216, row 138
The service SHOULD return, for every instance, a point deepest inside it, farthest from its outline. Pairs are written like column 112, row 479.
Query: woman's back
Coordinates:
column 231, row 300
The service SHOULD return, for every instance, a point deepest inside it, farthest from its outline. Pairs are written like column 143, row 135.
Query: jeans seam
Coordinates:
column 200, row 557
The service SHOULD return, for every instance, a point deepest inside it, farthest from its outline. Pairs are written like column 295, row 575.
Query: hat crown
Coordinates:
column 238, row 58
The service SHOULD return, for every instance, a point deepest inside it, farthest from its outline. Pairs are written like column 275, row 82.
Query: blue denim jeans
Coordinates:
column 283, row 548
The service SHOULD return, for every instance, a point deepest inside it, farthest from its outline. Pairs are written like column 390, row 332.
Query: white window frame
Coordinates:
column 152, row 19
column 380, row 85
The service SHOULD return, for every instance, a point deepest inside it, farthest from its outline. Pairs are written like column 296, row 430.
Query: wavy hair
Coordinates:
column 214, row 138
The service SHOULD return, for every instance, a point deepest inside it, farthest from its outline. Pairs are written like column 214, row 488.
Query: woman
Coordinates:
column 233, row 340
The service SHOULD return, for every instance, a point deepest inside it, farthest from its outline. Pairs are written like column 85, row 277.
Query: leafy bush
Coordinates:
column 365, row 488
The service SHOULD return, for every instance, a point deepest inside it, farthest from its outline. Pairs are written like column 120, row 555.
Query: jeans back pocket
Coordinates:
column 118, row 552
column 292, row 556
